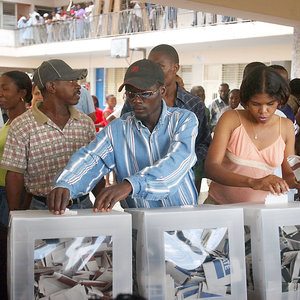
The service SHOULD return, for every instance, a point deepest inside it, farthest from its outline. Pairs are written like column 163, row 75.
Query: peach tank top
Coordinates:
column 242, row 157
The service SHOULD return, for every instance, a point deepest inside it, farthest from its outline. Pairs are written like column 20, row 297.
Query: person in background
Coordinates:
column 28, row 34
column 37, row 20
column 79, row 16
column 86, row 103
column 287, row 110
column 172, row 17
column 41, row 140
column 117, row 112
column 294, row 100
column 218, row 104
column 200, row 92
column 87, row 21
column 249, row 144
column 111, row 102
column 152, row 150
column 21, row 29
column 251, row 66
column 15, row 90
column 36, row 95
column 199, row 169
column 48, row 26
column 100, row 121
column 234, row 101
column 234, row 98
column 64, row 34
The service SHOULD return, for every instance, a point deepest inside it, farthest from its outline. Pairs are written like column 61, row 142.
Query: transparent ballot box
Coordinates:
column 272, row 237
column 83, row 256
column 188, row 253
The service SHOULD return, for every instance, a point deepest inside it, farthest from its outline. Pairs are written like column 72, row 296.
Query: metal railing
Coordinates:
column 117, row 23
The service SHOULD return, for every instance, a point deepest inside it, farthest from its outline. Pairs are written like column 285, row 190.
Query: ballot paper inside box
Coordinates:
column 189, row 253
column 69, row 257
column 272, row 236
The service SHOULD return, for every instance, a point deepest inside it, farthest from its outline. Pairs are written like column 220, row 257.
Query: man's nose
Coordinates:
column 137, row 98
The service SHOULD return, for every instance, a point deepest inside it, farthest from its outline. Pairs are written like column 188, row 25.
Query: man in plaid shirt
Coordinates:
column 41, row 141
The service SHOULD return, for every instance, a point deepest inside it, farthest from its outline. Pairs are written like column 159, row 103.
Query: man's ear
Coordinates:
column 176, row 67
column 50, row 87
column 163, row 90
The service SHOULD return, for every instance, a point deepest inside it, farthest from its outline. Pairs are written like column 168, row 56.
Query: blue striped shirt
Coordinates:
column 157, row 164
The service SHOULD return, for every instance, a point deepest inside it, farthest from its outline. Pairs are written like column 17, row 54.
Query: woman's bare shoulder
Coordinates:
column 287, row 127
column 229, row 121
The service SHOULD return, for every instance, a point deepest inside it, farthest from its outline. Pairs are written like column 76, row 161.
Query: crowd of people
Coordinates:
column 60, row 148
column 81, row 21
column 59, row 25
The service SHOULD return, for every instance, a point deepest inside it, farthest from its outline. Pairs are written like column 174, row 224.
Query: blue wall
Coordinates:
column 100, row 87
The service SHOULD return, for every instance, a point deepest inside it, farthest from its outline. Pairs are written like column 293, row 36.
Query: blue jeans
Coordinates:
column 85, row 203
column 4, row 211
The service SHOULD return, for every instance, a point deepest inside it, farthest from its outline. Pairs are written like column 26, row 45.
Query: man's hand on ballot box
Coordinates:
column 109, row 196
column 58, row 198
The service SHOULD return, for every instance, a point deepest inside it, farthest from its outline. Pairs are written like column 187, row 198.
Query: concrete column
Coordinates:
column 92, row 80
column 296, row 54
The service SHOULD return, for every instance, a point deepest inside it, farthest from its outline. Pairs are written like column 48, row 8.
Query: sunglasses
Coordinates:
column 143, row 95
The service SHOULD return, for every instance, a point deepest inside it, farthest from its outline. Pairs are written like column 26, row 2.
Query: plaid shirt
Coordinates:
column 215, row 111
column 39, row 149
column 194, row 104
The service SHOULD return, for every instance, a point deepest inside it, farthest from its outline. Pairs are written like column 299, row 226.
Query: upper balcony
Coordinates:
column 188, row 30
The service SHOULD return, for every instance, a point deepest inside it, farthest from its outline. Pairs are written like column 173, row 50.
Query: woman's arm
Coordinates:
column 289, row 133
column 216, row 152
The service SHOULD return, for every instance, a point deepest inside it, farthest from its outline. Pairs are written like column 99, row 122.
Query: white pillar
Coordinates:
column 296, row 54
column 92, row 80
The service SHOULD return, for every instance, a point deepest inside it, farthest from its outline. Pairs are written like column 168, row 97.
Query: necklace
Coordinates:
column 255, row 134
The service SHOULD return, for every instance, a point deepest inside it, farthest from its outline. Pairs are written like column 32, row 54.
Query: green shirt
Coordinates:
column 3, row 136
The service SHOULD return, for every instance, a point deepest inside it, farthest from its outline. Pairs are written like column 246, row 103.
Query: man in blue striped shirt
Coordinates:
column 151, row 150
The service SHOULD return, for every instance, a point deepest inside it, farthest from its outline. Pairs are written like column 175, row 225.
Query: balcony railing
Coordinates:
column 117, row 23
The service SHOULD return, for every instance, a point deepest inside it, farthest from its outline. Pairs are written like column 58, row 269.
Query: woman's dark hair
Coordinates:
column 264, row 80
column 251, row 66
column 95, row 99
column 22, row 81
column 295, row 86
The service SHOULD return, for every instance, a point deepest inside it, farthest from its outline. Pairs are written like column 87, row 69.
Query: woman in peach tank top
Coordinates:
column 248, row 145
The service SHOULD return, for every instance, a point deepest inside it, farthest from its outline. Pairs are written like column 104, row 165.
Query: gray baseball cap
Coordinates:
column 56, row 69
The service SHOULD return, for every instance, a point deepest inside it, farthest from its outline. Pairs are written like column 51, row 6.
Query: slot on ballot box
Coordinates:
column 83, row 256
column 194, row 252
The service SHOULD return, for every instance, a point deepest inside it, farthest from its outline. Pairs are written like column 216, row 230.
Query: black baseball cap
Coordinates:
column 143, row 74
column 56, row 69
